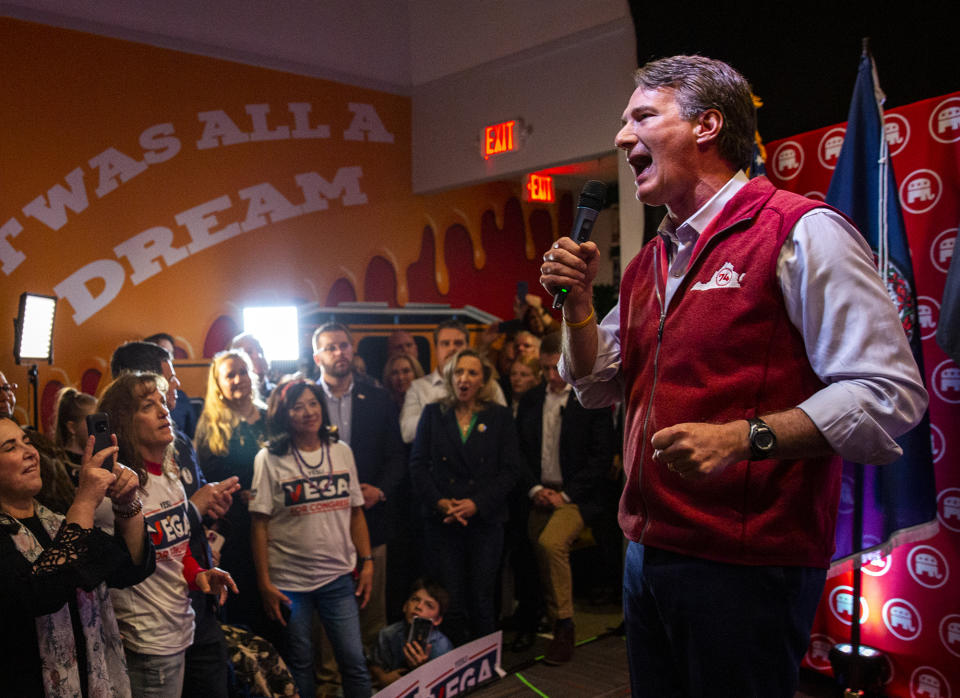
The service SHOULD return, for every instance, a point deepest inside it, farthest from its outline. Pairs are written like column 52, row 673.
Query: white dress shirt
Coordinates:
column 339, row 410
column 553, row 404
column 550, row 470
column 835, row 298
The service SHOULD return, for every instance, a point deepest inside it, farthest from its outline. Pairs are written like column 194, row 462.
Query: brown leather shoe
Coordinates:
column 560, row 649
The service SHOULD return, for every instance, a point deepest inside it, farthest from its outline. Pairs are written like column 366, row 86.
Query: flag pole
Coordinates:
column 854, row 679
column 857, row 668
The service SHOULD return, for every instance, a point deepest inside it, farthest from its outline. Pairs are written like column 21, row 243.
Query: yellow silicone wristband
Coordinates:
column 582, row 323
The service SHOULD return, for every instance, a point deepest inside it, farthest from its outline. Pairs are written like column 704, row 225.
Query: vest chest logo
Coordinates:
column 724, row 277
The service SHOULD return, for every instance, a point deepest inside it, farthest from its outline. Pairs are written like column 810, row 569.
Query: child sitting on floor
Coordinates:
column 393, row 656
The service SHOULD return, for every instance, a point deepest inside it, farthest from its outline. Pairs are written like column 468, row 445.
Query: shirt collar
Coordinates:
column 330, row 395
column 691, row 228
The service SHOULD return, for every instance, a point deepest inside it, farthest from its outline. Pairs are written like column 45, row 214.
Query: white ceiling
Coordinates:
column 390, row 45
column 450, row 36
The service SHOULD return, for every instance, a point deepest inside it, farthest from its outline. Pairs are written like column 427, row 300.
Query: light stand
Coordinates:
column 33, row 330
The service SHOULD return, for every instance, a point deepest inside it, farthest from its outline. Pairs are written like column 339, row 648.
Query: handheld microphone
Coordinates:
column 588, row 208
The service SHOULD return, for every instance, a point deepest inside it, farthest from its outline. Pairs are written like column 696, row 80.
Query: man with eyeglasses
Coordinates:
column 8, row 398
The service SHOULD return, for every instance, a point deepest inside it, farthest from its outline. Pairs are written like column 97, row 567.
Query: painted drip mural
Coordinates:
column 153, row 190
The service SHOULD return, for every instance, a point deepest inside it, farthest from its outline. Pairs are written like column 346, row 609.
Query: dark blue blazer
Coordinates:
column 587, row 446
column 192, row 479
column 484, row 468
column 378, row 451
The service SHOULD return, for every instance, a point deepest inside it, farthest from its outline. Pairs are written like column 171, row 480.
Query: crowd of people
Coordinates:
column 325, row 500
column 298, row 500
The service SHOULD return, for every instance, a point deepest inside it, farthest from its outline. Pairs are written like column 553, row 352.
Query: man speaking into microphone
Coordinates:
column 753, row 345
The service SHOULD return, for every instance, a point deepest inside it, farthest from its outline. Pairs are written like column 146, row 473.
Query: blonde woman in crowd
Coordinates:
column 398, row 373
column 70, row 424
column 229, row 435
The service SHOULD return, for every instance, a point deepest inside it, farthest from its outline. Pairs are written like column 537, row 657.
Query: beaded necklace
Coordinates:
column 305, row 468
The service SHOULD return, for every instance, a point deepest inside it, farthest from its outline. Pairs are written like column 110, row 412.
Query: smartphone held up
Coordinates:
column 98, row 426
column 420, row 631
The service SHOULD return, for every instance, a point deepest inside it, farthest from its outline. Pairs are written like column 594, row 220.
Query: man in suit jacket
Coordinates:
column 367, row 421
column 568, row 450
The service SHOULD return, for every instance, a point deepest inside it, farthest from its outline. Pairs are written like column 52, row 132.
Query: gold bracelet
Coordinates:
column 582, row 323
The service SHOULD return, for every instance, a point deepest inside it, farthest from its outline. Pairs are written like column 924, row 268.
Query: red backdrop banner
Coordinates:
column 911, row 596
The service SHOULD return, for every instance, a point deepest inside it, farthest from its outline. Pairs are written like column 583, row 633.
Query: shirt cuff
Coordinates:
column 853, row 434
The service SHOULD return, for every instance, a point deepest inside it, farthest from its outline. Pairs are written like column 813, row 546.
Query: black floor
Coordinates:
column 599, row 666
column 599, row 670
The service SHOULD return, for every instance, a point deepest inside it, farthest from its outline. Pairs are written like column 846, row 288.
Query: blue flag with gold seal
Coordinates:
column 899, row 499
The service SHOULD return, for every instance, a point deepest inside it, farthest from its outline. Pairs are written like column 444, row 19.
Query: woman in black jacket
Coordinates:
column 464, row 462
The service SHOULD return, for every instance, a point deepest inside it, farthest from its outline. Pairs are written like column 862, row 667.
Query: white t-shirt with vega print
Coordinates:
column 155, row 616
column 308, row 537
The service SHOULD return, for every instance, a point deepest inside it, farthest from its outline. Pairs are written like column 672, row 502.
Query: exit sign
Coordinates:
column 497, row 139
column 539, row 188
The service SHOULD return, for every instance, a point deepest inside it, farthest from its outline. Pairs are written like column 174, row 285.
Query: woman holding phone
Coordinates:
column 60, row 632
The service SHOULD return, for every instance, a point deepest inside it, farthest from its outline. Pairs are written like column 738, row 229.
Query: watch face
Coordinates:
column 763, row 439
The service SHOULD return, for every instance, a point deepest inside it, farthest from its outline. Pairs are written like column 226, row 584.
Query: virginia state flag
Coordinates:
column 899, row 500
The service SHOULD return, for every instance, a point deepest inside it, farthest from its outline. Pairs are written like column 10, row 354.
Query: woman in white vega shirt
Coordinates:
column 309, row 534
column 155, row 616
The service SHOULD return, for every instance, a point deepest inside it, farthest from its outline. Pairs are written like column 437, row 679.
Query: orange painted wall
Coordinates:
column 104, row 143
